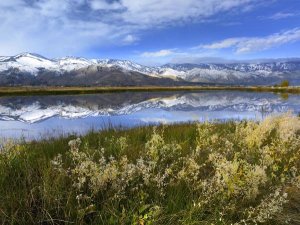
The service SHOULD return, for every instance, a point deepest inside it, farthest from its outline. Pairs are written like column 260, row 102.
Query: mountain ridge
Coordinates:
column 19, row 69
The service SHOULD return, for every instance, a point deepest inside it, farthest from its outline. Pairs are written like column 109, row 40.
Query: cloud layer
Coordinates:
column 283, row 15
column 56, row 27
column 254, row 44
column 237, row 45
column 160, row 53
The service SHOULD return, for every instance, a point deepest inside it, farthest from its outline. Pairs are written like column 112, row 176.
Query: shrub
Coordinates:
column 228, row 173
column 284, row 83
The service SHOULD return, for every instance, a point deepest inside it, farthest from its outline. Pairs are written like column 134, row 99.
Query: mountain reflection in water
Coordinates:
column 34, row 117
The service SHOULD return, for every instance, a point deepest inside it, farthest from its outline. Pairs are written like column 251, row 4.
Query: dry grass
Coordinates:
column 209, row 173
column 6, row 91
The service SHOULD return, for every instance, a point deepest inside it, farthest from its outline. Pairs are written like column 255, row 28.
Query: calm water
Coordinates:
column 46, row 116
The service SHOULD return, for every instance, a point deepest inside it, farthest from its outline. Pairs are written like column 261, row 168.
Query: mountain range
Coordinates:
column 34, row 69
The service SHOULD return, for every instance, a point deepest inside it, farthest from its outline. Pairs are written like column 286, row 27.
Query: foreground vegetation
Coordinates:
column 36, row 90
column 209, row 173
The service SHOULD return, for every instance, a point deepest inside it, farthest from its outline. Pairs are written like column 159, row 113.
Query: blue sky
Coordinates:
column 152, row 31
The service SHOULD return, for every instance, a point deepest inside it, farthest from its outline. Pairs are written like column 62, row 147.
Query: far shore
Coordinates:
column 43, row 90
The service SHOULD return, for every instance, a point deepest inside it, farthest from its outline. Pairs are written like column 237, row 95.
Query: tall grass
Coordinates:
column 209, row 173
column 46, row 90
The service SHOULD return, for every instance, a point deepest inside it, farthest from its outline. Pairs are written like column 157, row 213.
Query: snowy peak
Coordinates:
column 242, row 67
column 33, row 63
column 26, row 62
column 30, row 55
column 73, row 63
column 33, row 60
column 236, row 73
column 128, row 65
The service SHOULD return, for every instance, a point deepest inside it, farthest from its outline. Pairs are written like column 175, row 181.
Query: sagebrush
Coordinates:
column 242, row 172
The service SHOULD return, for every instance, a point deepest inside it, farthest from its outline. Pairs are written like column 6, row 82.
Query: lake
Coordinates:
column 36, row 117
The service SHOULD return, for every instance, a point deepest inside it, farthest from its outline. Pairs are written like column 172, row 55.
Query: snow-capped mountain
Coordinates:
column 235, row 72
column 33, row 69
column 34, row 63
column 72, row 63
column 14, row 67
column 128, row 65
column 26, row 62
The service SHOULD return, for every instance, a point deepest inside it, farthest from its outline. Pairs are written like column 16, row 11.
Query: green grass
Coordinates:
column 210, row 173
column 32, row 90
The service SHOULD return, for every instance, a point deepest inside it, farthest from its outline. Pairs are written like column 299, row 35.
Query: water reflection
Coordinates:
column 41, row 116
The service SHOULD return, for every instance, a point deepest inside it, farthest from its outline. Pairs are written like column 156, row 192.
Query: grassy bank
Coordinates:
column 209, row 173
column 14, row 91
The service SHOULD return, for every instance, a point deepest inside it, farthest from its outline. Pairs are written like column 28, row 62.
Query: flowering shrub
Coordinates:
column 236, row 173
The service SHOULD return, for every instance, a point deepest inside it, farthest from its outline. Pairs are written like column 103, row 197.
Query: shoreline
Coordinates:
column 32, row 90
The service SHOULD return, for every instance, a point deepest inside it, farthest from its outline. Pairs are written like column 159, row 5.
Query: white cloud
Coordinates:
column 254, row 44
column 103, row 5
column 152, row 12
column 196, row 60
column 160, row 53
column 283, row 15
column 11, row 3
column 55, row 27
column 129, row 39
column 222, row 44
